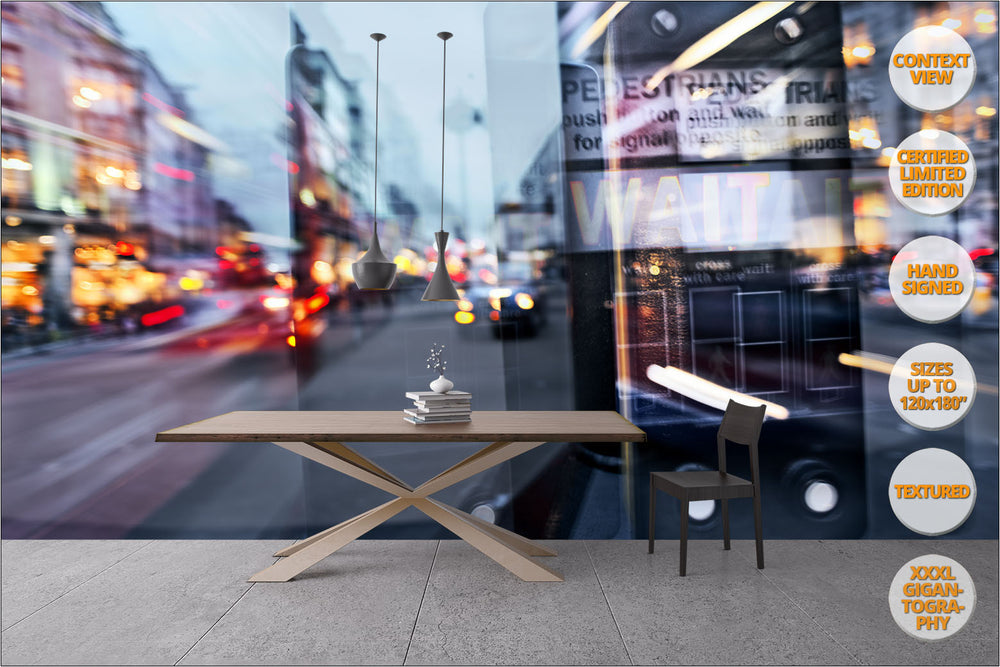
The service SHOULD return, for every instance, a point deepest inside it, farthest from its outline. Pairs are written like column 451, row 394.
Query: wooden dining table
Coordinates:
column 320, row 437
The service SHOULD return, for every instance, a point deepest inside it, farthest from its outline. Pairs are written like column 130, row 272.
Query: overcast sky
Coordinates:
column 411, row 75
column 230, row 57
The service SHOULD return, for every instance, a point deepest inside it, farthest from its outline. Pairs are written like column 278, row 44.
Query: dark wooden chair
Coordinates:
column 741, row 424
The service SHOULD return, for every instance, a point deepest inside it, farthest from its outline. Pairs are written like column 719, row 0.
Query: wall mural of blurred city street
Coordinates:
column 186, row 185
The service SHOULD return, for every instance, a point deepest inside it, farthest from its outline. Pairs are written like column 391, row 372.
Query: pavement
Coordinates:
column 420, row 602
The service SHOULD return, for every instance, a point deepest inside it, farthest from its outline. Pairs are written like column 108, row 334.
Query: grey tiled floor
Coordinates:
column 429, row 602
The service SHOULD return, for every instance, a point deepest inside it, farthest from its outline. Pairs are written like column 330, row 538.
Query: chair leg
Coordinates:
column 652, row 514
column 758, row 530
column 725, row 523
column 684, row 536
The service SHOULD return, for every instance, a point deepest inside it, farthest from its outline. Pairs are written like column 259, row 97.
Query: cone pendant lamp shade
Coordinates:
column 440, row 288
column 374, row 271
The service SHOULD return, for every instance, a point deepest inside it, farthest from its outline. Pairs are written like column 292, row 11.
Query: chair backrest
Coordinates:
column 741, row 424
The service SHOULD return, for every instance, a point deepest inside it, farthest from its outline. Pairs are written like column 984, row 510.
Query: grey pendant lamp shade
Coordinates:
column 441, row 288
column 374, row 271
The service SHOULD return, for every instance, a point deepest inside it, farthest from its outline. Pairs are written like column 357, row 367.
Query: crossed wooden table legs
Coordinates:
column 508, row 549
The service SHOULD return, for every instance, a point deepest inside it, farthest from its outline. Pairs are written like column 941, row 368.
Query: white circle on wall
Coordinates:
column 932, row 491
column 932, row 68
column 820, row 497
column 932, row 386
column 932, row 279
column 932, row 172
column 932, row 597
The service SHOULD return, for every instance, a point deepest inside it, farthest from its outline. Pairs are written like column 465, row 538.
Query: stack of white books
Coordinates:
column 430, row 407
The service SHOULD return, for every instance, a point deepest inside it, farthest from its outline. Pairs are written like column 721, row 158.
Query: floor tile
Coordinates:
column 844, row 586
column 36, row 572
column 477, row 613
column 818, row 602
column 355, row 607
column 722, row 612
column 149, row 608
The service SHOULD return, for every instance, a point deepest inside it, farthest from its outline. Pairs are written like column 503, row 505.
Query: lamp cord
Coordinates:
column 378, row 46
column 444, row 67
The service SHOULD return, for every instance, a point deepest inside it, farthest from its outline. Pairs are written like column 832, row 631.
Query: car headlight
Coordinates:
column 275, row 302
column 524, row 301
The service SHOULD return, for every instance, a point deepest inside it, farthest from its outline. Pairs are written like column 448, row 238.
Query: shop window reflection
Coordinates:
column 13, row 75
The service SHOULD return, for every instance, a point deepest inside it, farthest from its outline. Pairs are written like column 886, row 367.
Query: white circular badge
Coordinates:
column 932, row 172
column 932, row 597
column 932, row 386
column 932, row 279
column 932, row 68
column 932, row 492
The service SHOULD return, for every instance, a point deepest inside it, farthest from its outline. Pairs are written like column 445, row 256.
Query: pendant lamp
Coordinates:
column 374, row 271
column 441, row 287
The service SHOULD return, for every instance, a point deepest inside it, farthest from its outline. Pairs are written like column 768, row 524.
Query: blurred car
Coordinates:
column 981, row 313
column 274, row 299
column 517, row 303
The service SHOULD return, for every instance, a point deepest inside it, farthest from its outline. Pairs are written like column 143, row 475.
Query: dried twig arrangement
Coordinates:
column 436, row 361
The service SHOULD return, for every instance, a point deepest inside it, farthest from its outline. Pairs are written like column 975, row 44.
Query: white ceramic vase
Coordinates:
column 442, row 385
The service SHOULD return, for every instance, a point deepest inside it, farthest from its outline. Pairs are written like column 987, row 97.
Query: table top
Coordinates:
column 363, row 426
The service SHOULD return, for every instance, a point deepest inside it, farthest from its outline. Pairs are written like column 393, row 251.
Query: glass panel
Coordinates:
column 146, row 272
column 760, row 165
